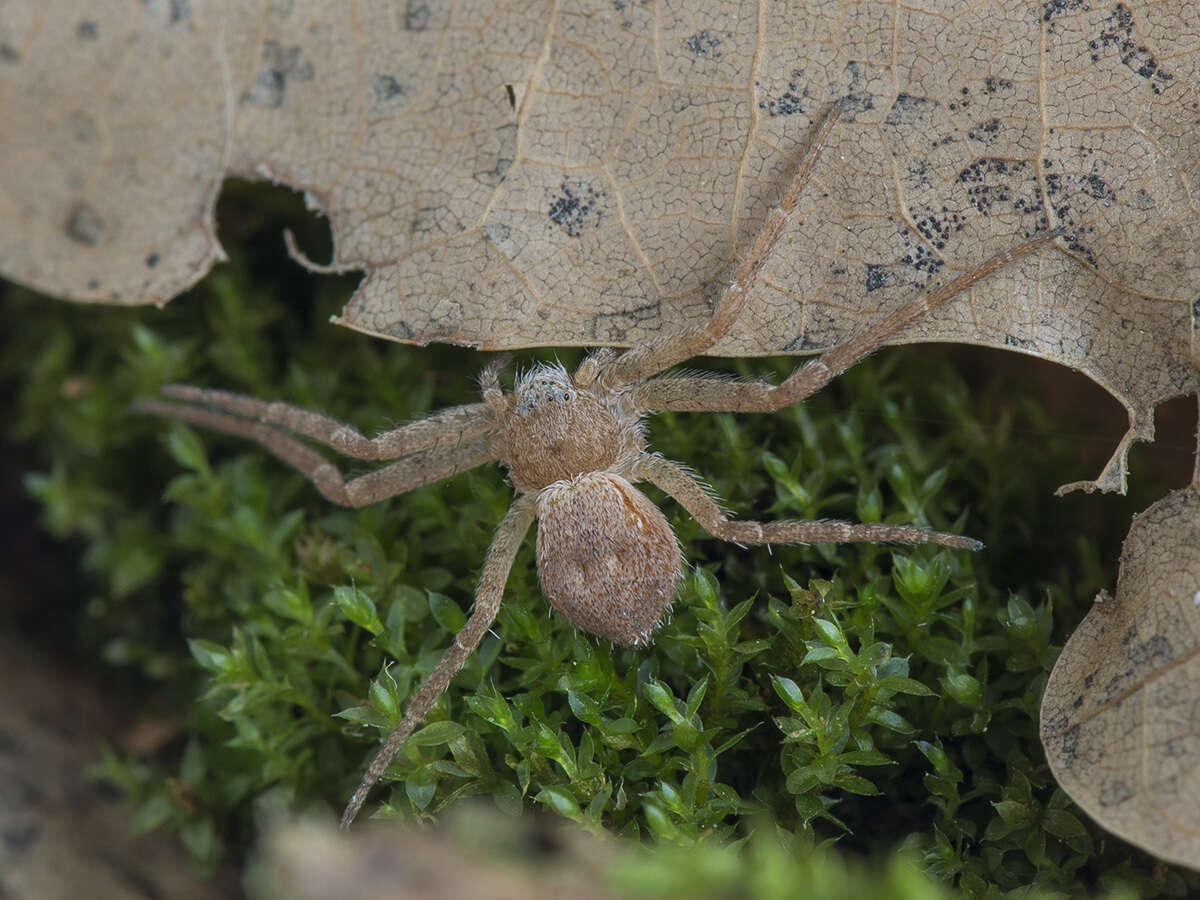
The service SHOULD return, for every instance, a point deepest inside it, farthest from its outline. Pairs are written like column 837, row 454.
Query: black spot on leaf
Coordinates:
column 803, row 342
column 1156, row 650
column 1054, row 8
column 919, row 172
column 1070, row 745
column 613, row 327
column 84, row 224
column 279, row 65
column 1118, row 36
column 433, row 220
column 789, row 102
column 985, row 132
column 1074, row 245
column 497, row 233
column 1114, row 792
column 704, row 44
column 989, row 181
column 387, row 88
column 936, row 227
column 575, row 207
column 877, row 277
column 855, row 104
column 416, row 16
column 921, row 258
column 1095, row 186
column 907, row 109
column 506, row 136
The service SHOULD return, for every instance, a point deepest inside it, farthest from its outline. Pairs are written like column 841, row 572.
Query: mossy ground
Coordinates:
column 862, row 699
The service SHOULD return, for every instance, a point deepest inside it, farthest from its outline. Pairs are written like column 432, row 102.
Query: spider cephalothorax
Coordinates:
column 574, row 447
column 553, row 429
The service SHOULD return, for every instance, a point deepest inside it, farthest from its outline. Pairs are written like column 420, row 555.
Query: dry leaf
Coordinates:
column 529, row 173
column 1121, row 712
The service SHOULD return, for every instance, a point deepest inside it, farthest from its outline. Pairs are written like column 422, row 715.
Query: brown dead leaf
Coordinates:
column 1121, row 713
column 525, row 172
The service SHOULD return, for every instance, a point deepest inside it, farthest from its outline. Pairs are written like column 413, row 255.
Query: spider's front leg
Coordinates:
column 698, row 393
column 441, row 430
column 503, row 550
column 673, row 480
column 645, row 360
column 437, row 447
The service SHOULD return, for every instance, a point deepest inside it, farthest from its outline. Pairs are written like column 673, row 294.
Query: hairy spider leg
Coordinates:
column 641, row 362
column 698, row 393
column 675, row 481
column 423, row 467
column 500, row 556
column 441, row 430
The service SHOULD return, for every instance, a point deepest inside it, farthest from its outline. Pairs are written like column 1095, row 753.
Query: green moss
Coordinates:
column 865, row 697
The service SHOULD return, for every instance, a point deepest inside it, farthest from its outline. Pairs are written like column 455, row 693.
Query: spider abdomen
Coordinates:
column 606, row 557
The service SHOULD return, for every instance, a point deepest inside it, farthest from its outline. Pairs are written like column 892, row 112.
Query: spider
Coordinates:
column 574, row 447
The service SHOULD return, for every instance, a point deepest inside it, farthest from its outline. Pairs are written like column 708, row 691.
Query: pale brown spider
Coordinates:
column 574, row 446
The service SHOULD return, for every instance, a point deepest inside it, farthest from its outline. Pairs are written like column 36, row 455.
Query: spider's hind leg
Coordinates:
column 676, row 482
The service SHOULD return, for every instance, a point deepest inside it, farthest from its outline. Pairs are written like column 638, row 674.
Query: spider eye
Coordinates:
column 566, row 396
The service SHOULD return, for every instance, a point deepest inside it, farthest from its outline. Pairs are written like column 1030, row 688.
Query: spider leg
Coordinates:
column 413, row 471
column 500, row 556
column 649, row 359
column 591, row 367
column 489, row 383
column 689, row 393
column 445, row 428
column 691, row 495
